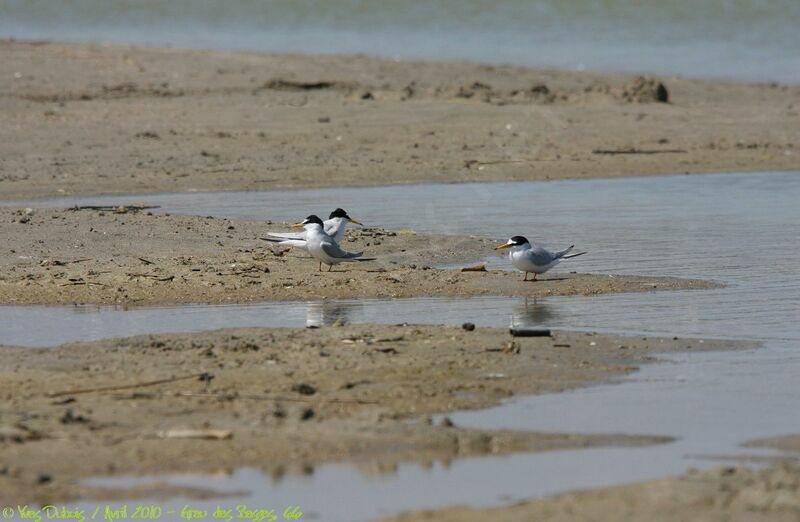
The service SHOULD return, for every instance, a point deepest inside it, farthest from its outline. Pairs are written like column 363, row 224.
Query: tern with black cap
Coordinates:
column 323, row 247
column 533, row 258
column 334, row 226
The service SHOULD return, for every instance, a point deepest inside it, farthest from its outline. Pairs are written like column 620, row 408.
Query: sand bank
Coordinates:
column 288, row 398
column 97, row 119
column 89, row 256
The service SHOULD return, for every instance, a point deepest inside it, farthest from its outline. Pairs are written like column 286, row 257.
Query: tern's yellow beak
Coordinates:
column 501, row 247
column 298, row 225
column 356, row 222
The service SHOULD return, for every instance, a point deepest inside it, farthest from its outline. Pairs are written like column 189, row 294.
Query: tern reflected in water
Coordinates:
column 529, row 312
column 329, row 313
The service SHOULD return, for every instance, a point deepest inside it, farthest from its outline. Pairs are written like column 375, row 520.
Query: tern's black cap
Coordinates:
column 339, row 213
column 519, row 240
column 313, row 219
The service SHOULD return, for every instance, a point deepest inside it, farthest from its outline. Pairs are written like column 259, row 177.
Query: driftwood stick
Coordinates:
column 231, row 396
column 128, row 386
column 155, row 277
column 113, row 208
column 271, row 398
column 638, row 151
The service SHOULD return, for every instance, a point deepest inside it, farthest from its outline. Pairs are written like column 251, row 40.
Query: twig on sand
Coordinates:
column 476, row 268
column 201, row 376
column 195, row 434
column 475, row 163
column 155, row 277
column 234, row 396
column 77, row 283
column 633, row 150
column 119, row 209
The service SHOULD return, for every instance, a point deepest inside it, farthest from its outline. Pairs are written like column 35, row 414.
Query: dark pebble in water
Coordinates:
column 468, row 326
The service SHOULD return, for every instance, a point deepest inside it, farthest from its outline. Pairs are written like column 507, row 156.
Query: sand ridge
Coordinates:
column 101, row 119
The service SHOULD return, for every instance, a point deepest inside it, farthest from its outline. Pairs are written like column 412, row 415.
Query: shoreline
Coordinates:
column 335, row 394
column 18, row 202
column 137, row 257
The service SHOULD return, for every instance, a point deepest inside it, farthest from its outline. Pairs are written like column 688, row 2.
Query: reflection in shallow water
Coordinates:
column 531, row 313
column 330, row 313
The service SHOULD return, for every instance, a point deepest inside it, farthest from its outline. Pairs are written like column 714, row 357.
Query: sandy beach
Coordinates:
column 112, row 119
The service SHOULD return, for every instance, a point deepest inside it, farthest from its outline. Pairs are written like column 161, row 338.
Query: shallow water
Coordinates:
column 740, row 229
column 755, row 40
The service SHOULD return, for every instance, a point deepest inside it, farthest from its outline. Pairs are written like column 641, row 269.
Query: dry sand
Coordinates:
column 86, row 256
column 290, row 398
column 92, row 118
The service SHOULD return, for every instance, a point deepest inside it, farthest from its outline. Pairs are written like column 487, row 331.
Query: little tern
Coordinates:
column 529, row 257
column 323, row 247
column 334, row 226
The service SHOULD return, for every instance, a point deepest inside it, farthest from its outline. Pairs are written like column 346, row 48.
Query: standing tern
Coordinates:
column 323, row 247
column 334, row 226
column 534, row 258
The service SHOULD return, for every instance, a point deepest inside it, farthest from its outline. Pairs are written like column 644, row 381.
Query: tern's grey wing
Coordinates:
column 336, row 252
column 287, row 235
column 562, row 253
column 540, row 256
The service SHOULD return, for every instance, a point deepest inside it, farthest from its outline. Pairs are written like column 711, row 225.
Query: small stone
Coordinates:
column 468, row 327
column 304, row 389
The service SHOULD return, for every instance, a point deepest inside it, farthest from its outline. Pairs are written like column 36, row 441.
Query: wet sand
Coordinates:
column 291, row 398
column 98, row 119
column 104, row 257
column 728, row 494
